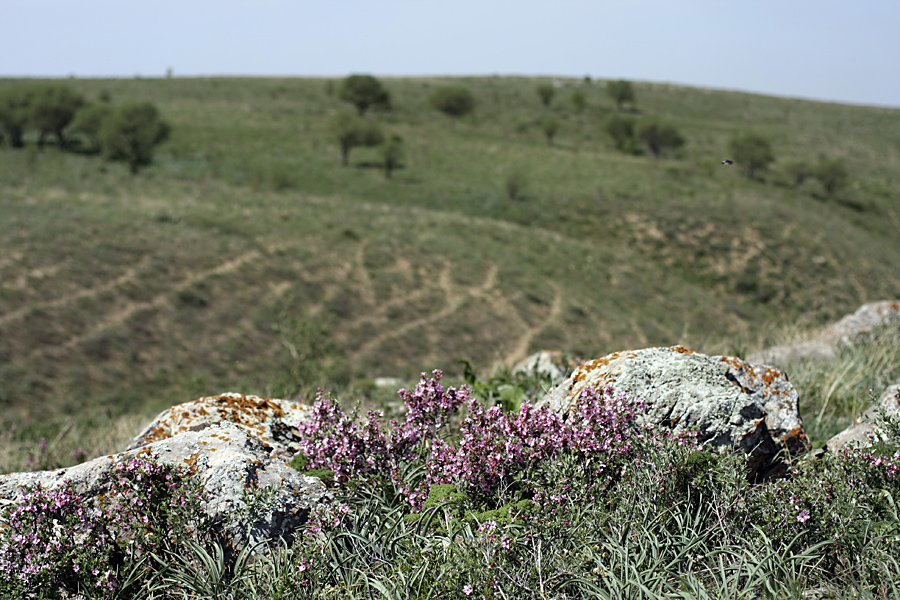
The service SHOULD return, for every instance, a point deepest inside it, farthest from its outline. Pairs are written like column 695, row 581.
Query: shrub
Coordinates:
column 752, row 153
column 550, row 127
column 515, row 183
column 89, row 120
column 578, row 100
column 453, row 101
column 15, row 112
column 621, row 129
column 832, row 174
column 131, row 133
column 545, row 91
column 660, row 137
column 364, row 91
column 392, row 154
column 621, row 92
column 53, row 106
column 798, row 172
column 353, row 131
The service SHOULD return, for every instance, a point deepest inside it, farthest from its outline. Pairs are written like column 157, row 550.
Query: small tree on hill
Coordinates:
column 15, row 112
column 546, row 91
column 798, row 172
column 621, row 129
column 353, row 131
column 392, row 153
column 660, row 137
column 832, row 174
column 53, row 106
column 131, row 132
column 579, row 100
column 89, row 121
column 364, row 91
column 752, row 153
column 621, row 92
column 454, row 101
column 550, row 127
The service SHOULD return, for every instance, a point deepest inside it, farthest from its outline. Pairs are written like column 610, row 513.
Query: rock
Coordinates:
column 230, row 464
column 864, row 432
column 733, row 404
column 270, row 420
column 851, row 329
column 548, row 363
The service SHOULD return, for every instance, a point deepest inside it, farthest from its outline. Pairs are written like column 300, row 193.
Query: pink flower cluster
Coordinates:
column 57, row 536
column 494, row 445
column 333, row 440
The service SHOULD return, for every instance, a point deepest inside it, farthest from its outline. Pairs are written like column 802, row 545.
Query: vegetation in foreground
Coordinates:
column 489, row 503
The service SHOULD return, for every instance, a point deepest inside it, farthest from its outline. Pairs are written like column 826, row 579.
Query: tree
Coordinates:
column 546, row 91
column 579, row 100
column 53, row 106
column 621, row 129
column 798, row 172
column 392, row 153
column 550, row 127
column 752, row 153
column 131, row 132
column 832, row 174
column 621, row 92
column 364, row 91
column 353, row 131
column 660, row 137
column 454, row 101
column 15, row 112
column 89, row 121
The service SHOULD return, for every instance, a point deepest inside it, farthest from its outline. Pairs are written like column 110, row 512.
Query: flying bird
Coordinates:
column 727, row 162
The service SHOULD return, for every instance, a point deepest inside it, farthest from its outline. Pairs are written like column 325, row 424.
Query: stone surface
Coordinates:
column 270, row 420
column 864, row 432
column 851, row 329
column 229, row 462
column 549, row 363
column 733, row 404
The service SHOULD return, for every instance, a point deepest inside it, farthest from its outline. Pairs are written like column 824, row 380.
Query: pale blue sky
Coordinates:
column 845, row 51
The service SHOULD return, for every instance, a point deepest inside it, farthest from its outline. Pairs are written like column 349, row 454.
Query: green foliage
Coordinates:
column 15, row 112
column 53, row 106
column 353, row 131
column 752, row 153
column 506, row 389
column 550, row 127
column 621, row 129
column 454, row 101
column 131, row 133
column 515, row 184
column 89, row 120
column 392, row 154
column 546, row 92
column 832, row 174
column 578, row 100
column 621, row 91
column 364, row 92
column 660, row 137
column 798, row 171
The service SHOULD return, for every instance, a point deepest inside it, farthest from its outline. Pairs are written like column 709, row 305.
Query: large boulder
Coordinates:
column 733, row 404
column 865, row 430
column 270, row 420
column 233, row 467
column 851, row 329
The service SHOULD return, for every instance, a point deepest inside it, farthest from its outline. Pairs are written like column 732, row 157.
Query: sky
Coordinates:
column 841, row 51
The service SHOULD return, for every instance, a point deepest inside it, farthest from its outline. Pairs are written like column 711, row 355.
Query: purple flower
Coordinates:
column 803, row 516
column 468, row 589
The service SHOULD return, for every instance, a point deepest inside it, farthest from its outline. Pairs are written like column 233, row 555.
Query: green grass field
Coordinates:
column 246, row 258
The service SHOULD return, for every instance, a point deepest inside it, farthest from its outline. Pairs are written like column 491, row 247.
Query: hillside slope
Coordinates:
column 248, row 259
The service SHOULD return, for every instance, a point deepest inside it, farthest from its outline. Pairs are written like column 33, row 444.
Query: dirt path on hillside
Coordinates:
column 520, row 349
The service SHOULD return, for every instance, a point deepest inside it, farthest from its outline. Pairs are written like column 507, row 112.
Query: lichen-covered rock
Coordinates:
column 864, row 431
column 269, row 420
column 233, row 468
column 851, row 329
column 733, row 404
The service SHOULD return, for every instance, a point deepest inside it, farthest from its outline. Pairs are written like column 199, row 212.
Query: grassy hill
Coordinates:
column 248, row 259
